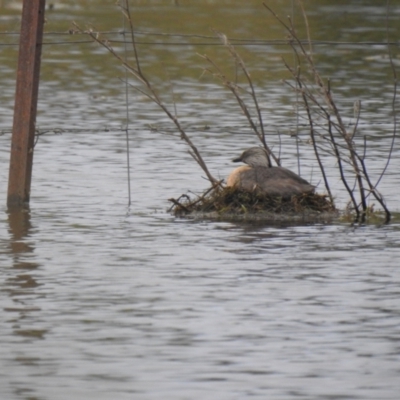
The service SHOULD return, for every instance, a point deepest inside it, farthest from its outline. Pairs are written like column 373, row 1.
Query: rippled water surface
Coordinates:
column 100, row 300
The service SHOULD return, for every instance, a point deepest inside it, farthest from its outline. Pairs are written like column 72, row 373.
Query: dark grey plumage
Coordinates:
column 277, row 181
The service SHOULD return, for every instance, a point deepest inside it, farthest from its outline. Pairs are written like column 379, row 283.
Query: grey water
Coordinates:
column 105, row 300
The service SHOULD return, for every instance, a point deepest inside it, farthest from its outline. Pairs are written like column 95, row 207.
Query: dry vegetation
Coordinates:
column 234, row 201
column 328, row 134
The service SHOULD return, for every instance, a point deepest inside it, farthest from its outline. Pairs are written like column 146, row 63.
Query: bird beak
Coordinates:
column 237, row 159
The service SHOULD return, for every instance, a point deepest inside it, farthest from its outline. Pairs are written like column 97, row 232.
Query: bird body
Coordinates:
column 258, row 175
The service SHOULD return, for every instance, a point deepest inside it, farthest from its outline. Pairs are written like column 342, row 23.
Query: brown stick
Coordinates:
column 26, row 96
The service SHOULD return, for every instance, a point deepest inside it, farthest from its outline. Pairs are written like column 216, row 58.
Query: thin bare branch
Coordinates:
column 148, row 90
column 394, row 99
column 125, row 10
column 233, row 86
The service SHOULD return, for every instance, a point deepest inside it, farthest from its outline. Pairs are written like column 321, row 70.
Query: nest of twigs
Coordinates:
column 233, row 201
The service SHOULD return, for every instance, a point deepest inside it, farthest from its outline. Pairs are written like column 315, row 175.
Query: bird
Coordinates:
column 258, row 175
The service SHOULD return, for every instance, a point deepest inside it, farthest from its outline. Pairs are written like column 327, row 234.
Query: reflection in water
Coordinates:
column 20, row 284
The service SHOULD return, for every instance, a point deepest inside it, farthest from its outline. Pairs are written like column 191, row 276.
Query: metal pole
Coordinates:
column 23, row 134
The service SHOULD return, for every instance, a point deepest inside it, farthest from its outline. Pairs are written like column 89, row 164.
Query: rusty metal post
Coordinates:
column 23, row 134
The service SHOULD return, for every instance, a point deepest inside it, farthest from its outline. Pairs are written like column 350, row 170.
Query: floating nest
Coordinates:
column 231, row 202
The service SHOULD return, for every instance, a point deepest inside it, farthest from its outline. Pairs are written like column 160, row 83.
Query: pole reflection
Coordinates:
column 20, row 283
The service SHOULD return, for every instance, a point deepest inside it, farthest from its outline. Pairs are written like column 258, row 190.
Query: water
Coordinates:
column 100, row 300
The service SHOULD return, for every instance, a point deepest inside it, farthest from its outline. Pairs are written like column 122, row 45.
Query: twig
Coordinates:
column 394, row 99
column 326, row 94
column 149, row 90
column 236, row 89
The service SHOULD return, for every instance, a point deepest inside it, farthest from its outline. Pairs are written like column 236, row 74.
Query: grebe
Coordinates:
column 258, row 175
